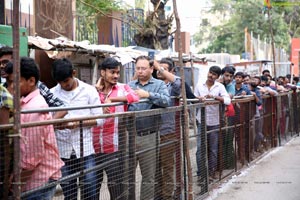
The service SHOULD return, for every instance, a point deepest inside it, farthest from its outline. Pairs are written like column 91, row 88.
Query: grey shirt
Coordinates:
column 159, row 98
column 168, row 119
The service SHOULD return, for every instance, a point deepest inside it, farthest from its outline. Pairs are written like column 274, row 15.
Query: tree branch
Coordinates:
column 137, row 26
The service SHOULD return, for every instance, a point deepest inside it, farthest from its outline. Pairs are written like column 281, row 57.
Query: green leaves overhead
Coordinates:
column 92, row 7
column 235, row 16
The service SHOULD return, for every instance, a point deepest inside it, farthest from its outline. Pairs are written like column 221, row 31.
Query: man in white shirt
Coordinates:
column 74, row 92
column 210, row 89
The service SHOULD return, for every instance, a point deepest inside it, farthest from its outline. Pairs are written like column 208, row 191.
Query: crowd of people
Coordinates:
column 224, row 85
column 51, row 152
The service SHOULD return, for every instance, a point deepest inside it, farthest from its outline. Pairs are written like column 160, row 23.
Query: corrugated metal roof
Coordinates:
column 36, row 42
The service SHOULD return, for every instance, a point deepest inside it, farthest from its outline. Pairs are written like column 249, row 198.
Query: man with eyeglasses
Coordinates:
column 6, row 68
column 147, row 127
column 5, row 57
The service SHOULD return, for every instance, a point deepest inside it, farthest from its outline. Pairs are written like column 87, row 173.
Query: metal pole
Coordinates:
column 132, row 157
column 95, row 70
column 82, row 168
column 16, row 94
column 185, row 110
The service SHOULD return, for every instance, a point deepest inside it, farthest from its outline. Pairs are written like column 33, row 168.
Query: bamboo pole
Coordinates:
column 17, row 123
column 185, row 114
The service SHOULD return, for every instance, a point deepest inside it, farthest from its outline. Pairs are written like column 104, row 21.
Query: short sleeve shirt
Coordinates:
column 6, row 100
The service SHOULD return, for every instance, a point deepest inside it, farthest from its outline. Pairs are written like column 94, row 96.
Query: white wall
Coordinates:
column 24, row 5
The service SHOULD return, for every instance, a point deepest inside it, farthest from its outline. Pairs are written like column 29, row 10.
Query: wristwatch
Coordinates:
column 161, row 70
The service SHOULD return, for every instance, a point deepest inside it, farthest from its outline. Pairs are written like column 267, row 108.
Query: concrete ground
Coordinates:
column 274, row 177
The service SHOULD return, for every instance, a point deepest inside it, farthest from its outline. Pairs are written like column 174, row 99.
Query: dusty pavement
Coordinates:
column 274, row 177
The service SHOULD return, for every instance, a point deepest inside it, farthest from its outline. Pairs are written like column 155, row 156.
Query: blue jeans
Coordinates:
column 43, row 194
column 114, row 172
column 89, row 180
column 213, row 140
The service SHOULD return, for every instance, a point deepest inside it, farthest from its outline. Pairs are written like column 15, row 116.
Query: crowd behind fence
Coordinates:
column 122, row 166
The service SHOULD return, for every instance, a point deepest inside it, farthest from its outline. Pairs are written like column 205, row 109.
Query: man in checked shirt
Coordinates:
column 6, row 68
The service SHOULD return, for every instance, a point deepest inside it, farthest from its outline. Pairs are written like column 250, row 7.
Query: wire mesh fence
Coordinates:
column 241, row 139
column 144, row 154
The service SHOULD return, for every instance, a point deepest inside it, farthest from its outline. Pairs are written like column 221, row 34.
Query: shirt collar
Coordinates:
column 79, row 86
column 30, row 96
column 150, row 81
column 214, row 85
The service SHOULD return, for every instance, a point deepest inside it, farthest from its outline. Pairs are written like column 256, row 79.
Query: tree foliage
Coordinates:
column 88, row 6
column 153, row 33
column 229, row 36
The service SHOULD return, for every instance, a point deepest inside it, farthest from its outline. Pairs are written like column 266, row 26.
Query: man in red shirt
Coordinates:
column 106, row 137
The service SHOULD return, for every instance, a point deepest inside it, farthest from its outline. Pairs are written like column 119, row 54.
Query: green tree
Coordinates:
column 153, row 33
column 291, row 15
column 229, row 36
column 140, row 3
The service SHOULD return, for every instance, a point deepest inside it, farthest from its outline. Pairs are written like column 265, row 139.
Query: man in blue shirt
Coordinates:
column 240, row 88
column 228, row 149
column 258, row 122
column 169, row 130
column 241, row 117
column 147, row 127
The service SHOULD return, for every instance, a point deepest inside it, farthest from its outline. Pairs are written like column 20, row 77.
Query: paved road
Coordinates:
column 274, row 177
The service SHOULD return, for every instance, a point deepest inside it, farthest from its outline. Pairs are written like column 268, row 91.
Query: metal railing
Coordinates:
column 149, row 164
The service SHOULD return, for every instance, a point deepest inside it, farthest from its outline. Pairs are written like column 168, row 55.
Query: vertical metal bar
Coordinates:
column 132, row 156
column 296, row 114
column 192, row 71
column 274, row 118
column 81, row 161
column 185, row 109
column 278, row 113
column 250, row 114
column 185, row 188
column 178, row 154
column 95, row 70
column 235, row 141
column 220, row 162
column 16, row 94
column 121, row 156
column 157, row 175
column 204, row 147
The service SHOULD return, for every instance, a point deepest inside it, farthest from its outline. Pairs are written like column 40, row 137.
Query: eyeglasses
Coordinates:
column 141, row 68
column 3, row 63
